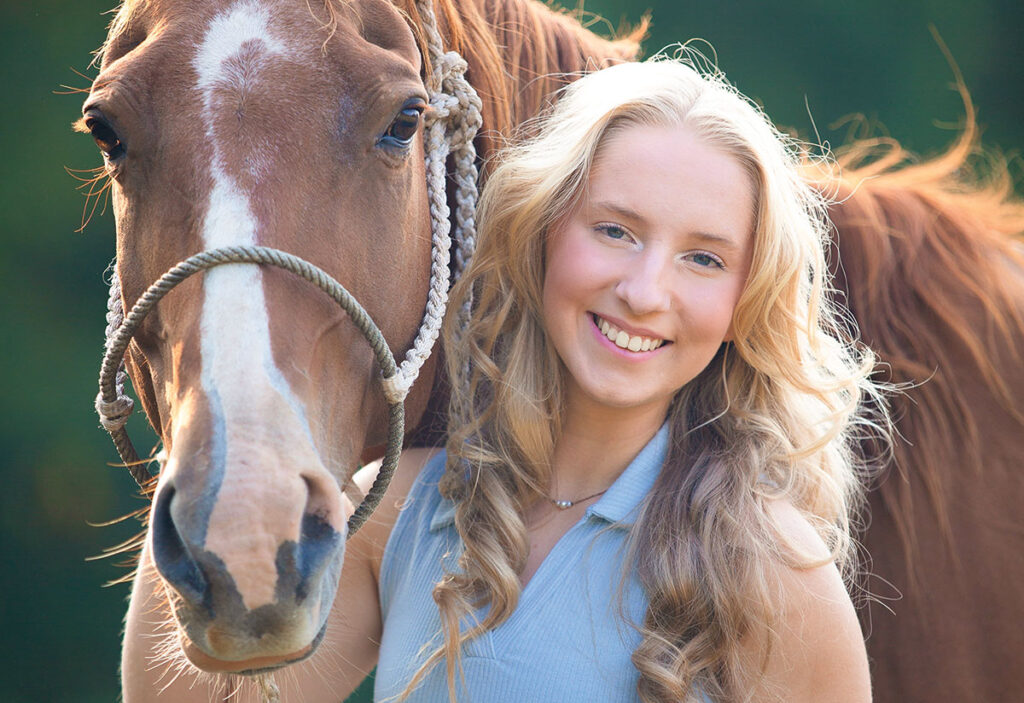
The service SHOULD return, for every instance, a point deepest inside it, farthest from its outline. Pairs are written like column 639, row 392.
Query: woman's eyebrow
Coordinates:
column 719, row 240
column 621, row 210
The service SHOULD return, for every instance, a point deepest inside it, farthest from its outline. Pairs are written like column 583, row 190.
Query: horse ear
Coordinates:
column 142, row 381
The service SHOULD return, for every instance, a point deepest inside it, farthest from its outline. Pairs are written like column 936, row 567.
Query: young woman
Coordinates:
column 648, row 484
column 649, row 481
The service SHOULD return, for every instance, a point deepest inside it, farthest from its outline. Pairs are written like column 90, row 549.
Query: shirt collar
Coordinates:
column 621, row 502
column 444, row 515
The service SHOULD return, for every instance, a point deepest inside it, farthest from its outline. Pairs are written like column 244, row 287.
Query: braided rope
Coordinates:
column 451, row 124
column 451, row 94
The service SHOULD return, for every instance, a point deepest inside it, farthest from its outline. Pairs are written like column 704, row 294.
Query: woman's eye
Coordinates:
column 613, row 231
column 706, row 260
column 403, row 128
column 105, row 137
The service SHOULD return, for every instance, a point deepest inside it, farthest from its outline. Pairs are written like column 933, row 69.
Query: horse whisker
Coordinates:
column 96, row 173
column 93, row 194
column 71, row 90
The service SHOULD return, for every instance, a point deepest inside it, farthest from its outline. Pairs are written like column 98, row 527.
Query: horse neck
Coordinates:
column 520, row 52
column 934, row 273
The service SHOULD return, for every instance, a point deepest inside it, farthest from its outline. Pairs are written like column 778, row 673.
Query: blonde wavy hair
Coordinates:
column 776, row 414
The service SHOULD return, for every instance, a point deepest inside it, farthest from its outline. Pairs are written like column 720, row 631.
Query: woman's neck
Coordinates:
column 597, row 443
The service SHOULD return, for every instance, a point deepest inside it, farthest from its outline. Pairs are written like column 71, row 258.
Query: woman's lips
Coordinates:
column 624, row 340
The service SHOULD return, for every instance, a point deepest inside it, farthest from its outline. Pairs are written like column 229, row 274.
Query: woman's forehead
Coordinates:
column 653, row 174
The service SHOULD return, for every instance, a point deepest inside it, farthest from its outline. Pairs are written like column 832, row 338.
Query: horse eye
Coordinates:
column 401, row 131
column 105, row 136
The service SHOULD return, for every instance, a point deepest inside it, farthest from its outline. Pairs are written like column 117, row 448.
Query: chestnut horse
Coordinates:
column 283, row 123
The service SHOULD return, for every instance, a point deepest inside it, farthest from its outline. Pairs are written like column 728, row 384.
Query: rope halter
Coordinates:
column 451, row 124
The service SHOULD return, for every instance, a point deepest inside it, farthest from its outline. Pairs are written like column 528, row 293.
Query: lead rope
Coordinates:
column 452, row 121
column 448, row 73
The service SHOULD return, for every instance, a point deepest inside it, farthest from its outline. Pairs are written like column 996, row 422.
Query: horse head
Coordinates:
column 262, row 122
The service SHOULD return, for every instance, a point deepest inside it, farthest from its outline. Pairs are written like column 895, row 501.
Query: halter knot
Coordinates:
column 396, row 387
column 449, row 70
column 452, row 124
column 114, row 415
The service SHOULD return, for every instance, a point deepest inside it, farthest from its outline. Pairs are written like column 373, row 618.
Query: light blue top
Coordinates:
column 567, row 640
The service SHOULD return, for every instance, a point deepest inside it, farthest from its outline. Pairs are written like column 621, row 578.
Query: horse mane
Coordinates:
column 932, row 265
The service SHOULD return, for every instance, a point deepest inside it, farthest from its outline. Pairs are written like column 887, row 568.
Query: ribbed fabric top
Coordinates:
column 569, row 639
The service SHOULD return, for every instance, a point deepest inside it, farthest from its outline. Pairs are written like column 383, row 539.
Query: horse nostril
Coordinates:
column 170, row 553
column 319, row 541
column 323, row 499
column 317, row 546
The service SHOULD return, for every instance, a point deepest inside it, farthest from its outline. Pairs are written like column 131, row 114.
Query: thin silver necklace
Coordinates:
column 566, row 504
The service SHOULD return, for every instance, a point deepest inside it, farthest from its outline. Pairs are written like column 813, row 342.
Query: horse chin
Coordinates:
column 247, row 667
column 253, row 641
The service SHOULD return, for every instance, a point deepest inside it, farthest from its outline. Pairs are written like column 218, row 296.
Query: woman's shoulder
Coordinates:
column 796, row 529
column 818, row 647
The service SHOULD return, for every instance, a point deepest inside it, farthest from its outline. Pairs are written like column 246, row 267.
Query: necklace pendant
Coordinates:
column 563, row 504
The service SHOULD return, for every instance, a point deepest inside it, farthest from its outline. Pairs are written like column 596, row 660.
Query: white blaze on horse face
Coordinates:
column 228, row 32
column 264, row 427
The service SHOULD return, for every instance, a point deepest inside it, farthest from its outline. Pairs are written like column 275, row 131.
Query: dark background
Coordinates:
column 59, row 628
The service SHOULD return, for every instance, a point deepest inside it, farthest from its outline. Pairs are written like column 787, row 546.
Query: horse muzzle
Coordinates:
column 249, row 543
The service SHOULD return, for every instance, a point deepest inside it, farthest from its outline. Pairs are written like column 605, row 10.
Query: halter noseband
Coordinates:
column 452, row 123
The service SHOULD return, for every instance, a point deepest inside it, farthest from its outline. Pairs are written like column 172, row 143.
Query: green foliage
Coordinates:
column 61, row 629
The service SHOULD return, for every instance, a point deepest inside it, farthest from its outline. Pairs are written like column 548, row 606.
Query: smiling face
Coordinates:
column 643, row 275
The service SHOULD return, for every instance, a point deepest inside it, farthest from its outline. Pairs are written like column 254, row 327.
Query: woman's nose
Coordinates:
column 643, row 284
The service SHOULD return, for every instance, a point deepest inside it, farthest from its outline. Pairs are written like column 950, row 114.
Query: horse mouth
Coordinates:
column 247, row 667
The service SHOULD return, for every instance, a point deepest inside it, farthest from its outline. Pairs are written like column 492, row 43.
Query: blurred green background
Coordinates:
column 59, row 629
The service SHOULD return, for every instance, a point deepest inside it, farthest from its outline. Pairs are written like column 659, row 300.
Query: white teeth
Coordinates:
column 623, row 340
